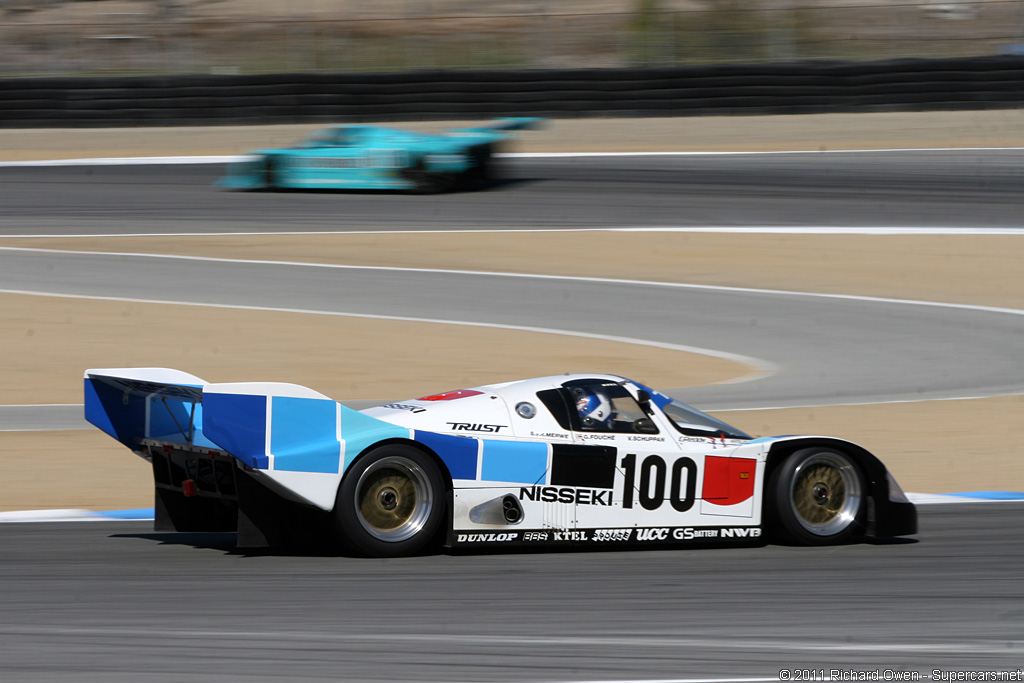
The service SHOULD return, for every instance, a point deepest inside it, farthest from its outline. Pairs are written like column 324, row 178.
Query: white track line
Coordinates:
column 738, row 153
column 762, row 368
column 498, row 274
column 959, row 647
column 127, row 161
column 759, row 367
column 223, row 159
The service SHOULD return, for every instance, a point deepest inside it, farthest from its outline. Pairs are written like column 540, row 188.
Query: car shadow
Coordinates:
column 494, row 185
column 225, row 542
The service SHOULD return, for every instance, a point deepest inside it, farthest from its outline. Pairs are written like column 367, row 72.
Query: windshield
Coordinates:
column 329, row 137
column 692, row 422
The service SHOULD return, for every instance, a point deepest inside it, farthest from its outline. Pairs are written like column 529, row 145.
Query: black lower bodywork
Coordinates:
column 196, row 492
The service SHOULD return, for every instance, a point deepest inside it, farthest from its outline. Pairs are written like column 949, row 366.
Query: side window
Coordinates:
column 602, row 406
column 331, row 137
column 558, row 403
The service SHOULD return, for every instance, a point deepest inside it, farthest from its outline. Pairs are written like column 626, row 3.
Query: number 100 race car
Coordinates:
column 595, row 460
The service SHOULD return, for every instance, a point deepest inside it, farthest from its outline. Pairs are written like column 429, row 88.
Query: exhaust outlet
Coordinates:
column 511, row 509
column 498, row 511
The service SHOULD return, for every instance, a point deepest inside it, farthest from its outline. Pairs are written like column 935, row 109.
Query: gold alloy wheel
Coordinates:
column 826, row 493
column 393, row 499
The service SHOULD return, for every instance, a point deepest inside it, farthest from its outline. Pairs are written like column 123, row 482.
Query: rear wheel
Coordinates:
column 391, row 502
column 425, row 182
column 270, row 173
column 817, row 497
column 479, row 176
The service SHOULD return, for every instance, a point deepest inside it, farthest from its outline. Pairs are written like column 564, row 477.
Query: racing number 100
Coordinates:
column 653, row 467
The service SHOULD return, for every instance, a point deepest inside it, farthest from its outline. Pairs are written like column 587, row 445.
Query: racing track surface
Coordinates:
column 117, row 602
column 966, row 188
column 111, row 603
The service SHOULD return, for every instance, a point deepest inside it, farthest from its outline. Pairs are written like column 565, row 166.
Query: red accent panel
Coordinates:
column 728, row 481
column 716, row 478
column 451, row 395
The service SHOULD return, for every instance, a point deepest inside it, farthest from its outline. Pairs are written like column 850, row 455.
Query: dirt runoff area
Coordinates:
column 933, row 446
column 819, row 132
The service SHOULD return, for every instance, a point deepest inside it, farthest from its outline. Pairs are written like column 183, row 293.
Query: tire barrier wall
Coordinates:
column 967, row 83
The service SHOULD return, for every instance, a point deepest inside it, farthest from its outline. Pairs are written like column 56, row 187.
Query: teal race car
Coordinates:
column 376, row 158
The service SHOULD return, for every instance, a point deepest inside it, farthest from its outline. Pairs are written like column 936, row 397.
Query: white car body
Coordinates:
column 583, row 459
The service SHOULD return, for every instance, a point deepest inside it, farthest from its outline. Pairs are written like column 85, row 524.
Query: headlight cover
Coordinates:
column 896, row 494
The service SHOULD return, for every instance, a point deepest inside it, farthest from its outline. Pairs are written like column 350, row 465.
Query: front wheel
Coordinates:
column 817, row 497
column 391, row 502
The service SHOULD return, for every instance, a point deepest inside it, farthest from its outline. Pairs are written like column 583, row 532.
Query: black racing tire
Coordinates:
column 817, row 496
column 270, row 173
column 481, row 175
column 424, row 182
column 391, row 502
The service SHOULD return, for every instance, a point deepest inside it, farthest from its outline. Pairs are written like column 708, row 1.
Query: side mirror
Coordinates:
column 645, row 425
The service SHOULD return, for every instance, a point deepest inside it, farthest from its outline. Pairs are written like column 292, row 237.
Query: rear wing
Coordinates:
column 298, row 439
column 131, row 404
column 505, row 124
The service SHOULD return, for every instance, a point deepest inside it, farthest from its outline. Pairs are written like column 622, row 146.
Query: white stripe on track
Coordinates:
column 760, row 368
column 959, row 647
column 497, row 274
column 59, row 515
column 740, row 153
column 228, row 158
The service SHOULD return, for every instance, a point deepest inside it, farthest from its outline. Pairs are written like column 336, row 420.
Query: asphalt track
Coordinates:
column 922, row 189
column 112, row 602
column 116, row 602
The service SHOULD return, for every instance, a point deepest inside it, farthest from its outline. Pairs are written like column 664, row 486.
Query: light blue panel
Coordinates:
column 303, row 435
column 359, row 432
column 520, row 462
column 766, row 439
column 168, row 417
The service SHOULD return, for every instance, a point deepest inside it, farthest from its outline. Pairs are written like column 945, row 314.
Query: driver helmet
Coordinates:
column 594, row 407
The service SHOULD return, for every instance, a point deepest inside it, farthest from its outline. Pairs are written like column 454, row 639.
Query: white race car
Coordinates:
column 570, row 459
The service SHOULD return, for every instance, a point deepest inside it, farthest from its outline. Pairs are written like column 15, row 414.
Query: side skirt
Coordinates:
column 605, row 536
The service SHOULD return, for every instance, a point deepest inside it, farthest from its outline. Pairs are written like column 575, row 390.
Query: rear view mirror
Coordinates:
column 645, row 425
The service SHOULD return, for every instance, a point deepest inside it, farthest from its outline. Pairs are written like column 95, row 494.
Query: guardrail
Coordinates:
column 968, row 83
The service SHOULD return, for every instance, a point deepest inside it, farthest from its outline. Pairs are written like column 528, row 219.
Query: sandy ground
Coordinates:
column 50, row 341
column 1000, row 128
column 931, row 446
